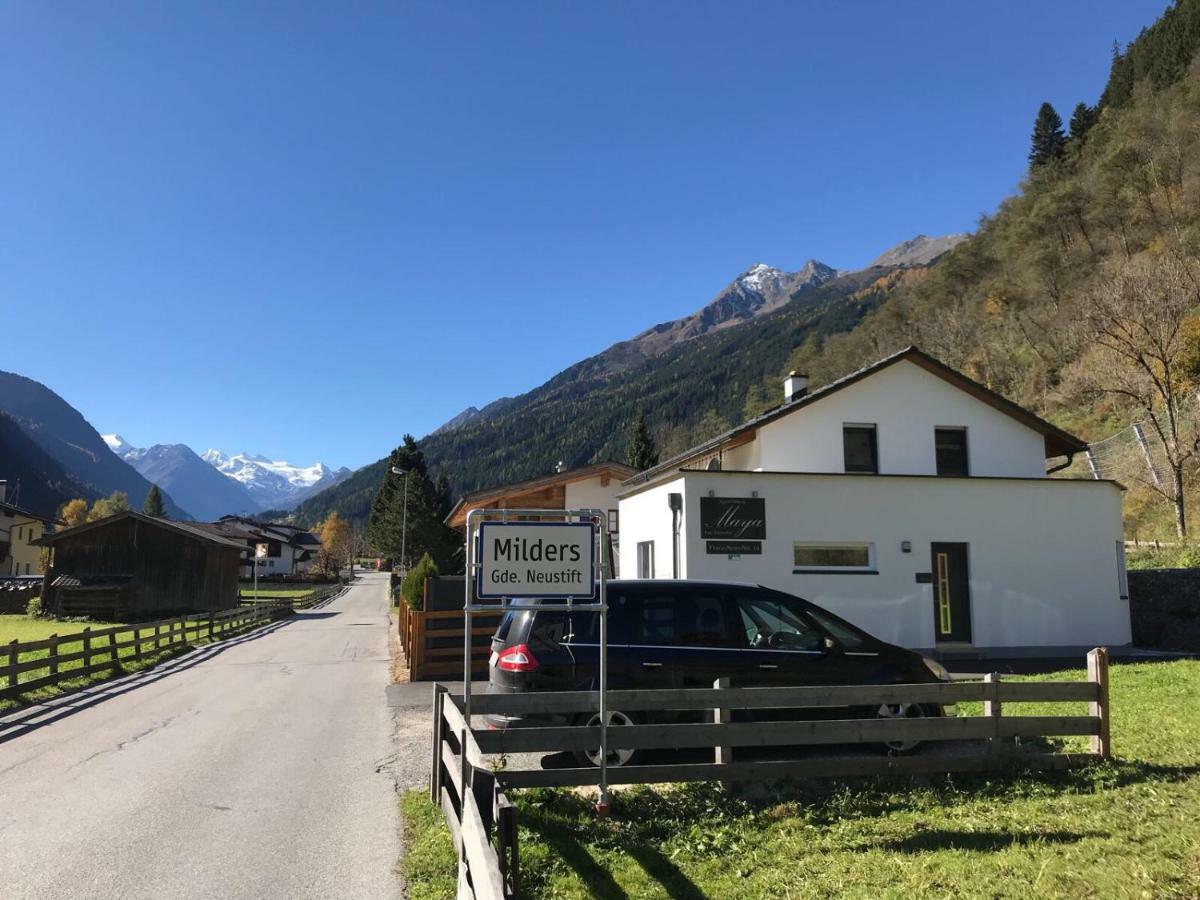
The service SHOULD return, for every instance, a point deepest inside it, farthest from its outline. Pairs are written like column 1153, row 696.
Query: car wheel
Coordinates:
column 901, row 711
column 615, row 757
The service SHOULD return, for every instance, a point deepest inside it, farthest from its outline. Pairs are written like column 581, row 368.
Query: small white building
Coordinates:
column 908, row 499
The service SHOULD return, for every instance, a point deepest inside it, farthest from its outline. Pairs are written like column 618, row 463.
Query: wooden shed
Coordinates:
column 131, row 566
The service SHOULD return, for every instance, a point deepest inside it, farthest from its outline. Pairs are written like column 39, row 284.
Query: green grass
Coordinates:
column 27, row 628
column 1130, row 828
column 269, row 594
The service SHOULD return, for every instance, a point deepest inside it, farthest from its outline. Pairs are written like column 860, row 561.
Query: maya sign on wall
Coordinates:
column 536, row 559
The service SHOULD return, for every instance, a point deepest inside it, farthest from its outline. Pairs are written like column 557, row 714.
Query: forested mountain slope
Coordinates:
column 34, row 480
column 66, row 437
column 584, row 413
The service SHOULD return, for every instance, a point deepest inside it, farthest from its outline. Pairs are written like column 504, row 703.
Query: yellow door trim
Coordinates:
column 945, row 622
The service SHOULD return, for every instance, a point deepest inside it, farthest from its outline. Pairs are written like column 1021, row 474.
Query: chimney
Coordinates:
column 795, row 386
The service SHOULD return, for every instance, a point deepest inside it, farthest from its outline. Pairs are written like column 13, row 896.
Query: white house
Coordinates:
column 290, row 549
column 906, row 498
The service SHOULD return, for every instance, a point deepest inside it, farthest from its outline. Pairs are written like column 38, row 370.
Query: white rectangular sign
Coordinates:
column 537, row 560
column 260, row 551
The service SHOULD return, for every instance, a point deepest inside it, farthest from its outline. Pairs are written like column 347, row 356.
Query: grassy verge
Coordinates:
column 1127, row 829
column 268, row 594
column 24, row 628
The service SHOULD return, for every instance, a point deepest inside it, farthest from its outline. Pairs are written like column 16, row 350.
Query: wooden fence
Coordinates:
column 320, row 594
column 488, row 855
column 433, row 642
column 93, row 651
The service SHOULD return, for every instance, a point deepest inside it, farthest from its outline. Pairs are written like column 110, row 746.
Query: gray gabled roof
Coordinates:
column 184, row 528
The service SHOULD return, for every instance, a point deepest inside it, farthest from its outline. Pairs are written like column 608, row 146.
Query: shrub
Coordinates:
column 413, row 586
column 34, row 607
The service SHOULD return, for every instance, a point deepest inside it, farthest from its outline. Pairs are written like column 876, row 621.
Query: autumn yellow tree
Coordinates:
column 337, row 544
column 74, row 512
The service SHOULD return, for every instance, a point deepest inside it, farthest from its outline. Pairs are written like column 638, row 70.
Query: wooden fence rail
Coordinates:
column 320, row 594
column 471, row 789
column 99, row 649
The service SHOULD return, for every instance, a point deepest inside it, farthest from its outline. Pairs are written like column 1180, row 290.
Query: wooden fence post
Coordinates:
column 87, row 647
column 211, row 620
column 721, row 716
column 1097, row 668
column 12, row 663
column 992, row 710
column 137, row 643
column 439, row 725
column 416, row 660
column 158, row 637
column 54, row 654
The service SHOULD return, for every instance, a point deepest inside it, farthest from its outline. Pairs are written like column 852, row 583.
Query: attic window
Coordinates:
column 860, row 449
column 950, row 445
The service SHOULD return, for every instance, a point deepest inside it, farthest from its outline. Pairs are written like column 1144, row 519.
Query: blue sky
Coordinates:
column 305, row 229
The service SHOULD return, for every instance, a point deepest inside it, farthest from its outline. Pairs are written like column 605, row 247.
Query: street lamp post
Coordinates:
column 396, row 470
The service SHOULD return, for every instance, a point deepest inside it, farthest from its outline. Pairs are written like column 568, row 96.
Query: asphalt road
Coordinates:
column 262, row 767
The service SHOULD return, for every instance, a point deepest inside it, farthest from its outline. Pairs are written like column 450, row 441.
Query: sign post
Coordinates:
column 557, row 557
column 260, row 553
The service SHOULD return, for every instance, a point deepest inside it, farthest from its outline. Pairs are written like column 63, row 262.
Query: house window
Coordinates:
column 614, row 521
column 645, row 559
column 833, row 558
column 951, row 447
column 1122, row 573
column 860, row 449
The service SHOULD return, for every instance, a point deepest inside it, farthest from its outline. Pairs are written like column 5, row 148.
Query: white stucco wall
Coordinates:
column 1042, row 555
column 647, row 517
column 588, row 493
column 905, row 403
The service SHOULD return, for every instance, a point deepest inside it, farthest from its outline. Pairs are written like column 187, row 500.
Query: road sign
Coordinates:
column 260, row 551
column 536, row 559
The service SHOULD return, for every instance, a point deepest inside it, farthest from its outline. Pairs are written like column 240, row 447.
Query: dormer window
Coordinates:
column 860, row 449
column 951, row 447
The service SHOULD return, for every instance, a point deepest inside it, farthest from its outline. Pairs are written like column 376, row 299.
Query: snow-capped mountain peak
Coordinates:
column 116, row 443
column 276, row 484
column 761, row 277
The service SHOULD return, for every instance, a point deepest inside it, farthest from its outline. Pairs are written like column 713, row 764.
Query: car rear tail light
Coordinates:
column 517, row 659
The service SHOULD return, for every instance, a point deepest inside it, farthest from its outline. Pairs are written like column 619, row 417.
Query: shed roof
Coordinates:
column 187, row 529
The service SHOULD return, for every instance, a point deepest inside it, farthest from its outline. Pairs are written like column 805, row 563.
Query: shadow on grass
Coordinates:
column 665, row 872
column 39, row 713
column 982, row 841
column 599, row 881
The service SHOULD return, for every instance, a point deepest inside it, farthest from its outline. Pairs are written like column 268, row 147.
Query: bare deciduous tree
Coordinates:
column 1136, row 318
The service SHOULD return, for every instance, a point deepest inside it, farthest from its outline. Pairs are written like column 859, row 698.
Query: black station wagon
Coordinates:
column 682, row 634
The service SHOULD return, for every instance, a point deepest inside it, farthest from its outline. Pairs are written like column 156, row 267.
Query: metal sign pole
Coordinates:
column 599, row 576
column 602, row 805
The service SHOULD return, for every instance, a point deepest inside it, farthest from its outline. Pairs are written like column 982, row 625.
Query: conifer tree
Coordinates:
column 154, row 503
column 422, row 529
column 1082, row 120
column 643, row 454
column 1048, row 141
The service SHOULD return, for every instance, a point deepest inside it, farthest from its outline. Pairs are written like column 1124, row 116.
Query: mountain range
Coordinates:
column 690, row 376
column 49, row 454
column 214, row 484
column 275, row 484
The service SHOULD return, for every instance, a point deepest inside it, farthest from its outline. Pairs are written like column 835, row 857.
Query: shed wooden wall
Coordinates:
column 173, row 572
